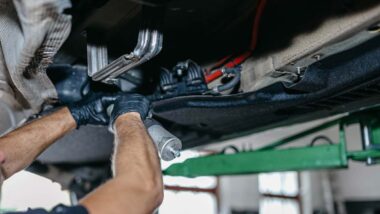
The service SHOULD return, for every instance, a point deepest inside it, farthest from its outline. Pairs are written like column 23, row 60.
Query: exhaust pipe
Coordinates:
column 149, row 45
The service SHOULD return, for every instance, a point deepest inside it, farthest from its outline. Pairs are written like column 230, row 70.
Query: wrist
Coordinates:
column 130, row 116
column 70, row 118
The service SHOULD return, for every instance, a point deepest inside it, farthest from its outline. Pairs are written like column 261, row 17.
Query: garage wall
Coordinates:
column 239, row 193
column 357, row 183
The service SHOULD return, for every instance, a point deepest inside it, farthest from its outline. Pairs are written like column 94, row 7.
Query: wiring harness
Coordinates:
column 228, row 62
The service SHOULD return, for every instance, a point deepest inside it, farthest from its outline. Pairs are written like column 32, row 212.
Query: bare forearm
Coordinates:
column 135, row 152
column 137, row 186
column 23, row 145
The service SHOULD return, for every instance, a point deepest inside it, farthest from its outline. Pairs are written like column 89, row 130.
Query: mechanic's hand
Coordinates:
column 130, row 103
column 92, row 110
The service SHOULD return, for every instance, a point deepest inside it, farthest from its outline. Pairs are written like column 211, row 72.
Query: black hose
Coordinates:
column 231, row 147
column 323, row 138
column 231, row 84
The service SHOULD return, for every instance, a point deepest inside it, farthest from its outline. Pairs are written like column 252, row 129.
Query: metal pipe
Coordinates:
column 143, row 45
column 366, row 141
column 149, row 44
column 119, row 65
column 154, row 48
column 97, row 58
column 140, row 40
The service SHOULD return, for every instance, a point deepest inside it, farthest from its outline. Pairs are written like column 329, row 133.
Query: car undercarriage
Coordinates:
column 213, row 70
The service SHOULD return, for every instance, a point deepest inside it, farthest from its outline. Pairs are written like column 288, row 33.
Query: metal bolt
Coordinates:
column 175, row 152
column 317, row 57
column 300, row 69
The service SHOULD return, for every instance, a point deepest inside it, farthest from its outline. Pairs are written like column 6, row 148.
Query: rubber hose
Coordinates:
column 231, row 83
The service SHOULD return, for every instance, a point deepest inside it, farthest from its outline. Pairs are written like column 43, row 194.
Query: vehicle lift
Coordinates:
column 272, row 159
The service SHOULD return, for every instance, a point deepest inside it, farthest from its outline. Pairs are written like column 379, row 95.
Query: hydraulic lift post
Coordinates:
column 272, row 159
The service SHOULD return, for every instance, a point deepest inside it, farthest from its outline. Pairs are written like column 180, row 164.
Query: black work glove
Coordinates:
column 92, row 110
column 130, row 103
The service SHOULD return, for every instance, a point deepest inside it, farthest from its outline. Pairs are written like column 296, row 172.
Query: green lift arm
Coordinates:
column 271, row 159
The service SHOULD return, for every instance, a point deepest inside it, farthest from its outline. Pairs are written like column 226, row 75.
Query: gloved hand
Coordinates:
column 130, row 103
column 92, row 110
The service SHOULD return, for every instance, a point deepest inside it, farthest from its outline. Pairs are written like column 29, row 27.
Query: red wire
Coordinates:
column 218, row 64
column 256, row 23
column 213, row 76
column 242, row 57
